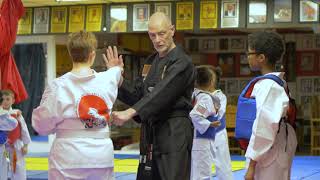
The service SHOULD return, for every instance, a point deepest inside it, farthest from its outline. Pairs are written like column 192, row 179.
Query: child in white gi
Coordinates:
column 212, row 148
column 18, row 139
column 76, row 107
column 273, row 142
column 7, row 123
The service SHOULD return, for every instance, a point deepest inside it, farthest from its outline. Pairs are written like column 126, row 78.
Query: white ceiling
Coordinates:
column 32, row 3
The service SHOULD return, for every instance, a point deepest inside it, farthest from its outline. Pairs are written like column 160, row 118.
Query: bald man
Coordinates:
column 161, row 101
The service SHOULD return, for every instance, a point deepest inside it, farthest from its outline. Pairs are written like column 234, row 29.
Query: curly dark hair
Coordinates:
column 268, row 43
column 205, row 75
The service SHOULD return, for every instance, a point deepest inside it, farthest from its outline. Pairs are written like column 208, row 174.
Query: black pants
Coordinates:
column 168, row 166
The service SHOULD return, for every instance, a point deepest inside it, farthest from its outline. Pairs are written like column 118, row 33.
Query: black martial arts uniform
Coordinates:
column 162, row 100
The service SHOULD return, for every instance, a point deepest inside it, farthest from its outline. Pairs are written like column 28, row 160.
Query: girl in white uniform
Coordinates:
column 77, row 107
column 17, row 145
column 210, row 149
column 273, row 142
column 7, row 123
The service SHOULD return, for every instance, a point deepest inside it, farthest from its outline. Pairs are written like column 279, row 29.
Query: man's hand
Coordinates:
column 112, row 59
column 24, row 149
column 121, row 117
column 215, row 124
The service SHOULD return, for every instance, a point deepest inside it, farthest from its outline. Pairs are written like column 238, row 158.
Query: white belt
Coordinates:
column 82, row 133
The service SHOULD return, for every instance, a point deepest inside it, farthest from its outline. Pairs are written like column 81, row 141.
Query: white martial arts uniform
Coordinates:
column 20, row 173
column 273, row 150
column 7, row 123
column 205, row 151
column 221, row 152
column 70, row 108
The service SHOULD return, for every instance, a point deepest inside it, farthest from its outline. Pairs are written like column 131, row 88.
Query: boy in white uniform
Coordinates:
column 17, row 141
column 77, row 107
column 7, row 123
column 205, row 149
column 273, row 141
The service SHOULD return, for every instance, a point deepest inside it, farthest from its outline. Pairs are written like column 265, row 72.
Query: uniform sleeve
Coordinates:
column 131, row 93
column 115, row 74
column 200, row 112
column 272, row 103
column 25, row 136
column 46, row 116
column 7, row 123
column 223, row 105
column 176, row 80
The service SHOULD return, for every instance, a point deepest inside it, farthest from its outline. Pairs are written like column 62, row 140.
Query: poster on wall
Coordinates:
column 24, row 24
column 76, row 18
column 94, row 18
column 59, row 19
column 208, row 14
column 163, row 7
column 230, row 14
column 141, row 13
column 118, row 16
column 41, row 20
column 257, row 12
column 184, row 16
column 309, row 11
column 282, row 11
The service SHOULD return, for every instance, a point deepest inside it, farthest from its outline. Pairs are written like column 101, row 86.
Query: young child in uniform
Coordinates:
column 273, row 141
column 76, row 107
column 18, row 139
column 208, row 117
column 7, row 123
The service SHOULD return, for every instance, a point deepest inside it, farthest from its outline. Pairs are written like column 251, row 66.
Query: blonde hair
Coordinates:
column 80, row 45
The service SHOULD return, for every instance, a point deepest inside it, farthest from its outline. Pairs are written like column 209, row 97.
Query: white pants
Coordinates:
column 206, row 152
column 280, row 167
column 3, row 164
column 82, row 174
column 20, row 173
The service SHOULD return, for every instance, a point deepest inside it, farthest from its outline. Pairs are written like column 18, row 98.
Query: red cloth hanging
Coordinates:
column 10, row 12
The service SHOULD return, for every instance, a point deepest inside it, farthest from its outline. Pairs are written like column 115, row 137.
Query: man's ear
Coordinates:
column 173, row 30
column 261, row 58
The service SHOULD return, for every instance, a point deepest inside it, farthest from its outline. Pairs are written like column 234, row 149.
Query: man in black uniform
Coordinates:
column 161, row 101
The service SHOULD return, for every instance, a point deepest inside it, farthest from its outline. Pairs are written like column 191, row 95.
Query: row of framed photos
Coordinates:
column 208, row 44
column 90, row 17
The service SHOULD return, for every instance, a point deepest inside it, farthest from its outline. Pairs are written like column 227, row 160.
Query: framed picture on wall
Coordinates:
column 257, row 12
column 230, row 13
column 141, row 13
column 41, row 20
column 163, row 7
column 208, row 44
column 227, row 64
column 307, row 42
column 316, row 85
column 307, row 62
column 309, row 11
column 306, row 85
column 282, row 11
column 118, row 15
column 232, row 86
column 237, row 43
column 224, row 44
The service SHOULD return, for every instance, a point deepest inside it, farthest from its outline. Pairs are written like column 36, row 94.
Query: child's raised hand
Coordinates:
column 112, row 59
